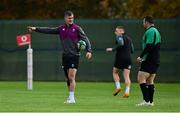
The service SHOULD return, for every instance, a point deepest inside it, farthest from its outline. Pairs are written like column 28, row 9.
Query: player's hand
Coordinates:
column 108, row 49
column 88, row 55
column 30, row 28
column 139, row 59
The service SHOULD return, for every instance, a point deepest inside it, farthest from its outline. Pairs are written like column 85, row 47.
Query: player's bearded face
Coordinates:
column 69, row 19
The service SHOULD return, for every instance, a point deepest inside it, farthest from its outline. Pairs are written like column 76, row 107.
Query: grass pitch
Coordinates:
column 90, row 97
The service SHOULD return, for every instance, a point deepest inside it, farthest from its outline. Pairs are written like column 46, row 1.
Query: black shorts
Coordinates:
column 70, row 62
column 122, row 63
column 150, row 68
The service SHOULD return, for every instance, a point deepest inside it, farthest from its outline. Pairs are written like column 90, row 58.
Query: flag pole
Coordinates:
column 29, row 68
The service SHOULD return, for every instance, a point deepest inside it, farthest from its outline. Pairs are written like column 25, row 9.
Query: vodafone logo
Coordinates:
column 24, row 38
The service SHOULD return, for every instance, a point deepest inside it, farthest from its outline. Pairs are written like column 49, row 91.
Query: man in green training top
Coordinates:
column 149, row 59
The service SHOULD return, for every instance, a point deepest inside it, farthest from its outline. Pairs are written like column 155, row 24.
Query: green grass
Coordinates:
column 90, row 97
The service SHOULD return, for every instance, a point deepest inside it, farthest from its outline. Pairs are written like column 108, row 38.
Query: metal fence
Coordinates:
column 47, row 50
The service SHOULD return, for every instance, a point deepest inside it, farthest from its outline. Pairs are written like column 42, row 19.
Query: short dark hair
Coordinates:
column 149, row 19
column 68, row 13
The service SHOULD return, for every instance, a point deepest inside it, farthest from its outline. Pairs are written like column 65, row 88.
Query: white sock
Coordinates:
column 118, row 85
column 127, row 89
column 71, row 95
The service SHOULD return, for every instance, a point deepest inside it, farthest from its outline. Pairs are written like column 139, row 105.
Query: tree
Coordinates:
column 91, row 9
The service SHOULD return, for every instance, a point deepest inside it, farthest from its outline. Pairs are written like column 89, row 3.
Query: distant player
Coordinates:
column 124, row 49
column 149, row 59
column 69, row 34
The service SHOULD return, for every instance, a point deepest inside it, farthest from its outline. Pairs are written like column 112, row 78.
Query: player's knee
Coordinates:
column 127, row 82
column 71, row 78
column 115, row 71
column 141, row 79
column 150, row 82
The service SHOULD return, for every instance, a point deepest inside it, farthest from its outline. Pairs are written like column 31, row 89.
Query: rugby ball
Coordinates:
column 81, row 45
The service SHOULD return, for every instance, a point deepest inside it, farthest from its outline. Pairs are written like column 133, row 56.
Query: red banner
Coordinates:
column 23, row 39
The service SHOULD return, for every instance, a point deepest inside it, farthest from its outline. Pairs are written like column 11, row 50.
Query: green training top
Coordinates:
column 151, row 36
column 151, row 45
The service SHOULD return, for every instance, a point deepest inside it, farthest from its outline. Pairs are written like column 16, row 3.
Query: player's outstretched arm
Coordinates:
column 47, row 30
